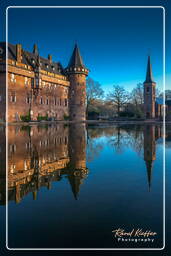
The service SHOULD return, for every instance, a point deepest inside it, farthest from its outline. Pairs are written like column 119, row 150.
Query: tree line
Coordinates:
column 116, row 103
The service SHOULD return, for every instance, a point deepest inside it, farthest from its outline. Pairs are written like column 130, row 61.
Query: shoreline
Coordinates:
column 87, row 122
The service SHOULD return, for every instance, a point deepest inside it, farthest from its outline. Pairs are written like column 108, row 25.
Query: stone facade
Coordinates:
column 39, row 88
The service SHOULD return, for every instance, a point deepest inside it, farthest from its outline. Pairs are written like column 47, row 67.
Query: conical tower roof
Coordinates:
column 76, row 59
column 76, row 64
column 75, row 183
column 149, row 76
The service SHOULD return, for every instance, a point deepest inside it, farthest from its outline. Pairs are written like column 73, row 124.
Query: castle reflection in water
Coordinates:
column 40, row 155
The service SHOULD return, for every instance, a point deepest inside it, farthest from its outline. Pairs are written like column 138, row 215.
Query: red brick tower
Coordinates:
column 77, row 72
column 149, row 93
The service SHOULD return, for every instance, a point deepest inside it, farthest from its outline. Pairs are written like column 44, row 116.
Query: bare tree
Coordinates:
column 137, row 94
column 94, row 91
column 118, row 96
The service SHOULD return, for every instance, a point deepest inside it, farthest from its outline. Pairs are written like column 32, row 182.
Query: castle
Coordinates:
column 41, row 89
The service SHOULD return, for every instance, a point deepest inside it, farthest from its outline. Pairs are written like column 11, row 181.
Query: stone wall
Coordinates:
column 77, row 97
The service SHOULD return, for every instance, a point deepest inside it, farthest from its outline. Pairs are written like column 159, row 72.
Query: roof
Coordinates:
column 76, row 59
column 149, row 76
column 160, row 101
column 29, row 58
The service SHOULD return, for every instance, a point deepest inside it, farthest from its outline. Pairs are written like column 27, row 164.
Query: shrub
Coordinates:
column 66, row 117
column 26, row 118
column 40, row 118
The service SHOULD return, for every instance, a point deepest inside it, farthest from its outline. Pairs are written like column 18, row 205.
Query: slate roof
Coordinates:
column 29, row 57
column 76, row 59
column 149, row 76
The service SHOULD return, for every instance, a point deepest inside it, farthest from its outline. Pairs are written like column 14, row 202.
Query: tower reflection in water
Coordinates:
column 40, row 155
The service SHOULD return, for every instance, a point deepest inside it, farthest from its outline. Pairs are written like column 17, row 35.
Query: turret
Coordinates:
column 149, row 93
column 77, row 72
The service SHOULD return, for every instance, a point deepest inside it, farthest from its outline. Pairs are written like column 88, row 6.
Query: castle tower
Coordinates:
column 149, row 93
column 77, row 153
column 77, row 72
column 149, row 150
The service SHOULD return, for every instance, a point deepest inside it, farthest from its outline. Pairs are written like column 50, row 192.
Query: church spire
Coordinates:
column 149, row 165
column 149, row 76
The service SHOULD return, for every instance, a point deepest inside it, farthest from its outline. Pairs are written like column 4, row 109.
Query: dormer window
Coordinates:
column 47, row 66
column 53, row 68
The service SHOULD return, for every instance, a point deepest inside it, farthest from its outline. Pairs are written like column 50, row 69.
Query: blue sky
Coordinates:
column 114, row 43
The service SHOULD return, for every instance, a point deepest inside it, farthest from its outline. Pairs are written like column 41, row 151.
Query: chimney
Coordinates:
column 19, row 55
column 50, row 58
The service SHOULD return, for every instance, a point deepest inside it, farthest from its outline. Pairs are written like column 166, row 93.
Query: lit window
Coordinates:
column 13, row 78
column 26, row 81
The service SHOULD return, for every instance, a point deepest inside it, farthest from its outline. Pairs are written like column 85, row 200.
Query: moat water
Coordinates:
column 70, row 186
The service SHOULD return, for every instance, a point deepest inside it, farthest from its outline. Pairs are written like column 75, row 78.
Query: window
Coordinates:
column 148, row 89
column 28, row 100
column 13, row 98
column 60, row 102
column 47, row 101
column 0, row 98
column 26, row 81
column 12, row 148
column 66, row 102
column 32, row 82
column 41, row 100
column 55, row 101
column 13, row 78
